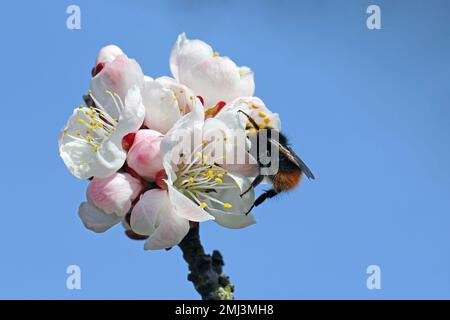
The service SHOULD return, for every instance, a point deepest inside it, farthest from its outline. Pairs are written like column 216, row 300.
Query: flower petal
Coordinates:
column 118, row 76
column 94, row 219
column 186, row 208
column 215, row 78
column 255, row 108
column 161, row 106
column 153, row 215
column 187, row 53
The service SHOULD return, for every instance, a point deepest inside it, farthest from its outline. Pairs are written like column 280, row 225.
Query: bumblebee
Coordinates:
column 290, row 166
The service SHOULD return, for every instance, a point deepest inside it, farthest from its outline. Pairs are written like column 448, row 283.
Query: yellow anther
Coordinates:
column 220, row 175
column 267, row 120
column 227, row 205
column 211, row 174
column 191, row 180
column 81, row 121
column 99, row 124
column 94, row 149
column 80, row 106
column 254, row 106
column 78, row 134
column 225, row 138
column 216, row 54
column 218, row 180
column 262, row 114
column 213, row 165
column 91, row 107
column 262, row 126
column 203, row 205
column 89, row 91
column 88, row 138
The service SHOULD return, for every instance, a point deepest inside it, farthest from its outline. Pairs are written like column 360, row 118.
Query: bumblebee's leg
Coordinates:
column 254, row 184
column 266, row 195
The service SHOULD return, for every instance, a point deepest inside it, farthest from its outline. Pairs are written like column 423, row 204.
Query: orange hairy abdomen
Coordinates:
column 286, row 180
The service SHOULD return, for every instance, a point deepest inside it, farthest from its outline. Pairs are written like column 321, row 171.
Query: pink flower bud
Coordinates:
column 115, row 193
column 144, row 156
column 108, row 54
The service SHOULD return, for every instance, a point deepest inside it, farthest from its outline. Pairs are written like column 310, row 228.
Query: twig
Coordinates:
column 205, row 270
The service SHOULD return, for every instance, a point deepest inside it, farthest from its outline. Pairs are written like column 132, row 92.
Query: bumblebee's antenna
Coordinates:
column 252, row 121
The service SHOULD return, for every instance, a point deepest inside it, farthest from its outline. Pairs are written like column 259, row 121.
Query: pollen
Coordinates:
column 220, row 175
column 202, row 205
column 80, row 106
column 191, row 180
column 89, row 138
column 218, row 180
column 267, row 120
column 262, row 114
column 89, row 91
column 78, row 133
column 254, row 106
column 94, row 149
column 216, row 54
column 227, row 205
column 211, row 174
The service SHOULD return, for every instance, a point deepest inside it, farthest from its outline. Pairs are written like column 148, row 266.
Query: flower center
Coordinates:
column 200, row 180
column 98, row 124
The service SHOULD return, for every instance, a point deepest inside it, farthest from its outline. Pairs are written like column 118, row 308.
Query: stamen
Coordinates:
column 227, row 205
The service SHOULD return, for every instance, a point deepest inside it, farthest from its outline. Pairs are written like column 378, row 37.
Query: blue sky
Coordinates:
column 368, row 110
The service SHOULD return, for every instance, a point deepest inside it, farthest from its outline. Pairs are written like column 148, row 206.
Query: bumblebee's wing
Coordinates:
column 294, row 158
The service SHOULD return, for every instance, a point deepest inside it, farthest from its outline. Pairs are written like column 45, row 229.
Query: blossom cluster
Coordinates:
column 125, row 140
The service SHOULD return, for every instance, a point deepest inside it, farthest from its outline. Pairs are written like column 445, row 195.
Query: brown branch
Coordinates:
column 205, row 270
